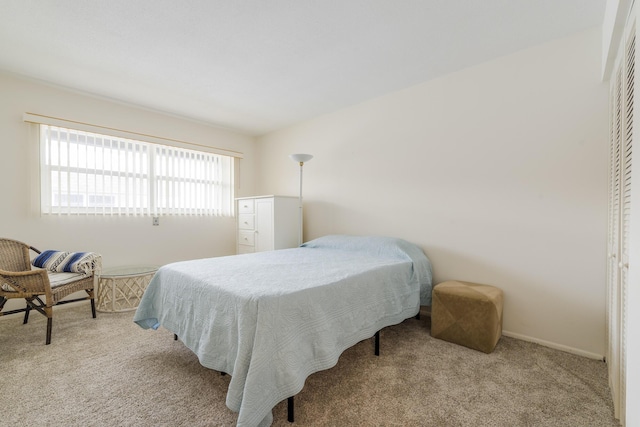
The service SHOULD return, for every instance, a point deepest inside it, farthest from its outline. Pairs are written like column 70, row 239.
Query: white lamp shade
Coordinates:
column 301, row 157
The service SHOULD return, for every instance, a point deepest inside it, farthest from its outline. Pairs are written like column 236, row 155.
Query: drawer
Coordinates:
column 245, row 221
column 244, row 249
column 245, row 206
column 246, row 237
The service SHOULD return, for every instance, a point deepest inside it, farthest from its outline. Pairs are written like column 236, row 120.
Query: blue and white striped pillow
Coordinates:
column 71, row 262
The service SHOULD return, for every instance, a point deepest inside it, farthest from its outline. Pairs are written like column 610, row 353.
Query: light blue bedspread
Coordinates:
column 271, row 319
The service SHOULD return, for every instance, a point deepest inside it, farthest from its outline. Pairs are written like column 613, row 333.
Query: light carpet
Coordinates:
column 110, row 372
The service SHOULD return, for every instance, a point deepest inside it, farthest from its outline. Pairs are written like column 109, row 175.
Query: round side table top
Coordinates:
column 128, row 270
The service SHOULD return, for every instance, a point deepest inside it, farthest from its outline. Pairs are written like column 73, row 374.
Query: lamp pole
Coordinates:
column 300, row 158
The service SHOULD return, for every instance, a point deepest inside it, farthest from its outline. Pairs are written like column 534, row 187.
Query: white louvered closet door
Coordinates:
column 613, row 277
column 621, row 151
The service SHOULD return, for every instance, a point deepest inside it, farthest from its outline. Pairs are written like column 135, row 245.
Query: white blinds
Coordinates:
column 189, row 182
column 89, row 173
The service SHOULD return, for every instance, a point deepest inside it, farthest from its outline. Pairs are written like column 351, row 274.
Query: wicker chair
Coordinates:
column 19, row 280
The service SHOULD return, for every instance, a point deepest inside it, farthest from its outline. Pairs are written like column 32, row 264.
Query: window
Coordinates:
column 90, row 173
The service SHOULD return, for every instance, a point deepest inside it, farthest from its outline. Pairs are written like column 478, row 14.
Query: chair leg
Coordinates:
column 49, row 325
column 26, row 313
column 48, row 311
column 93, row 301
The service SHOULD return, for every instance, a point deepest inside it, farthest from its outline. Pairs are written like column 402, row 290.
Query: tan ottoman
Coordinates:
column 468, row 314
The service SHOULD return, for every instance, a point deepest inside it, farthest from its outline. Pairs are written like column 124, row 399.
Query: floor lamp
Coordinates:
column 300, row 158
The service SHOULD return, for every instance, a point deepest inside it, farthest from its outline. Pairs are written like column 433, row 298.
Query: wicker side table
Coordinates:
column 121, row 288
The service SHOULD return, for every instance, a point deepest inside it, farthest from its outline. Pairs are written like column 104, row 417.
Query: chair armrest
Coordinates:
column 33, row 281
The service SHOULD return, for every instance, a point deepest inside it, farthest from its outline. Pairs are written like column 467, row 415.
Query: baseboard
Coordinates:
column 556, row 346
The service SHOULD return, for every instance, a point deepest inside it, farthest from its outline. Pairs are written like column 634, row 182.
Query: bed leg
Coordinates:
column 175, row 337
column 418, row 316
column 290, row 409
column 377, row 345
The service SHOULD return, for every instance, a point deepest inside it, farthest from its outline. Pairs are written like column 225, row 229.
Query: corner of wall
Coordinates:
column 615, row 18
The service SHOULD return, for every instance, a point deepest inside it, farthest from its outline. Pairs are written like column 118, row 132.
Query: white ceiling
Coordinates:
column 260, row 65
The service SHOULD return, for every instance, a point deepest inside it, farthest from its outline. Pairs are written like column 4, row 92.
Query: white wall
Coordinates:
column 499, row 172
column 120, row 240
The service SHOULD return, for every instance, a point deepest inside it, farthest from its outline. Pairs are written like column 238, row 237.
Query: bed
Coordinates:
column 271, row 319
